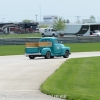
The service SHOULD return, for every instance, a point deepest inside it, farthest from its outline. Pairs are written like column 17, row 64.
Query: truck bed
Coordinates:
column 38, row 44
column 34, row 47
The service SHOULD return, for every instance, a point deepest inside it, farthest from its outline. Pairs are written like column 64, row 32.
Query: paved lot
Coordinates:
column 20, row 77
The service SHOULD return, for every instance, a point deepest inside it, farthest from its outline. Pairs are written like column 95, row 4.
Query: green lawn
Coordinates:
column 75, row 47
column 20, row 35
column 12, row 50
column 78, row 79
column 83, row 47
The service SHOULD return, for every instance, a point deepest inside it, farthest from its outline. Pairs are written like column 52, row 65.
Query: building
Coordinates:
column 20, row 27
column 49, row 18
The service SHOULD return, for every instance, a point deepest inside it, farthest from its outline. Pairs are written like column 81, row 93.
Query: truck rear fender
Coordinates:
column 44, row 50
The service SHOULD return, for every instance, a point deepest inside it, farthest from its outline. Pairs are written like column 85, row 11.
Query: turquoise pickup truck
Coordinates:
column 47, row 47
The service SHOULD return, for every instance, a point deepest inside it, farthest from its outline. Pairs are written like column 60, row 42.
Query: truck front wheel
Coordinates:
column 48, row 55
column 66, row 54
column 31, row 56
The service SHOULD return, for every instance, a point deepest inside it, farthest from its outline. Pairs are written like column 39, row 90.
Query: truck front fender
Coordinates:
column 44, row 50
column 64, row 49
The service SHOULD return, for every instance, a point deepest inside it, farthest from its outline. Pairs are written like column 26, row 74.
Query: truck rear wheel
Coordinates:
column 31, row 56
column 52, row 56
column 66, row 54
column 48, row 55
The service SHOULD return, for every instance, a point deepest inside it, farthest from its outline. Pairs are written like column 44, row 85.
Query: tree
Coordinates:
column 59, row 24
column 67, row 21
column 27, row 20
column 43, row 26
column 92, row 17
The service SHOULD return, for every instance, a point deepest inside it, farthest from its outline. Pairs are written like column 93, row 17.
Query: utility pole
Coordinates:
column 36, row 17
column 98, row 19
column 40, row 12
column 78, row 18
column 3, row 19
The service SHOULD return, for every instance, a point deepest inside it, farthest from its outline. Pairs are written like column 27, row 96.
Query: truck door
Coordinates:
column 57, row 47
column 49, row 32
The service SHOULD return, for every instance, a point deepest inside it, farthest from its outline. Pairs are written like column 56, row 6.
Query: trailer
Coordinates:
column 86, row 29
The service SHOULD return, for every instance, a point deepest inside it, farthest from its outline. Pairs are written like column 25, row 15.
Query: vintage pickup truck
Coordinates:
column 47, row 47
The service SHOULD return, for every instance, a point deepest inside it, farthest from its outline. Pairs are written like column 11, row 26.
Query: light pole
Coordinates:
column 40, row 12
column 98, row 19
column 78, row 18
column 36, row 17
column 3, row 19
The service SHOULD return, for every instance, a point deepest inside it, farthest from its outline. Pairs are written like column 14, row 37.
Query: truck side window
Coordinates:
column 56, row 41
column 48, row 40
column 43, row 41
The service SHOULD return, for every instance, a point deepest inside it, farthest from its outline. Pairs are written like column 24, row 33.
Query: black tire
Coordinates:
column 53, row 35
column 43, row 35
column 48, row 55
column 52, row 56
column 66, row 54
column 31, row 56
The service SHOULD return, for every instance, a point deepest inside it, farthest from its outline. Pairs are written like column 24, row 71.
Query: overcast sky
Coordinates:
column 17, row 10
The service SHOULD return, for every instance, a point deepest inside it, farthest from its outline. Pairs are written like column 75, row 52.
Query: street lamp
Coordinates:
column 78, row 18
column 3, row 19
column 36, row 17
column 40, row 12
column 98, row 19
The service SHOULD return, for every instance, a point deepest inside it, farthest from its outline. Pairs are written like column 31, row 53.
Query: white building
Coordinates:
column 48, row 20
column 51, row 18
column 88, row 20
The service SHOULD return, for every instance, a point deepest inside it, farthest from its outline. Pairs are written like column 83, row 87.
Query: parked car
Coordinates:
column 96, row 33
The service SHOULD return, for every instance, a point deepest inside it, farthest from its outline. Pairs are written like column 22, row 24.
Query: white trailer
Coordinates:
column 81, row 29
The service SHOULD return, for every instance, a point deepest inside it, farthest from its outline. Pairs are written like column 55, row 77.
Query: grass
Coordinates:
column 20, row 35
column 12, row 50
column 78, row 79
column 84, row 47
column 75, row 47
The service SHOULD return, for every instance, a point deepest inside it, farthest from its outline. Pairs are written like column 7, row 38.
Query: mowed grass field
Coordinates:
column 77, row 79
column 75, row 47
column 12, row 50
column 20, row 35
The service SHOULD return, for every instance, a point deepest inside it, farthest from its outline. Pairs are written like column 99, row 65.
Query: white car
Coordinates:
column 96, row 33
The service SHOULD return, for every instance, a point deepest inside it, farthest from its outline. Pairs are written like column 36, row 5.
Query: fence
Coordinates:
column 22, row 41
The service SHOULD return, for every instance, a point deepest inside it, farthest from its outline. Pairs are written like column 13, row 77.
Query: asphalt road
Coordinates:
column 20, row 77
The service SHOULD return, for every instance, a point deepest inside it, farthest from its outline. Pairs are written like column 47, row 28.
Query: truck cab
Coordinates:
column 47, row 47
column 49, row 32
